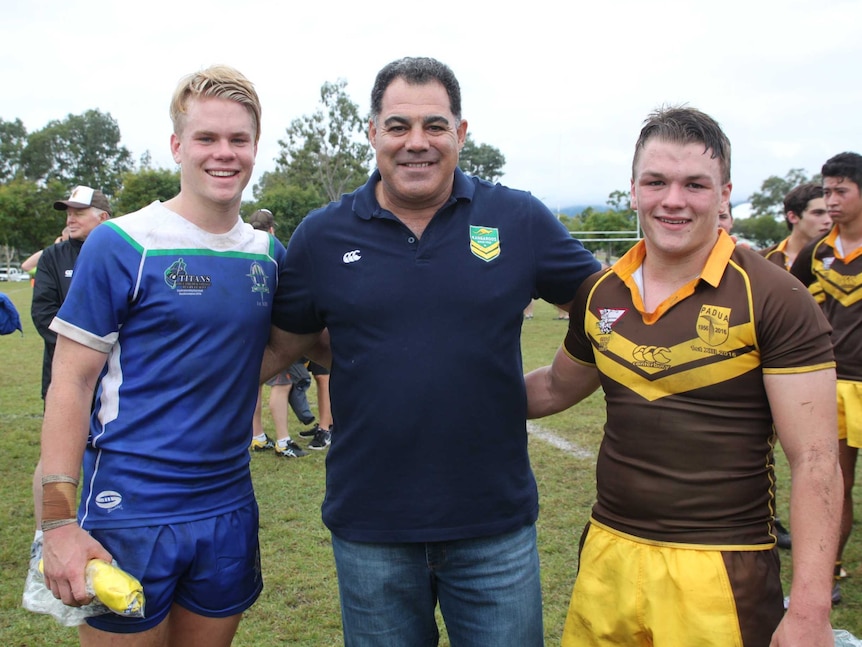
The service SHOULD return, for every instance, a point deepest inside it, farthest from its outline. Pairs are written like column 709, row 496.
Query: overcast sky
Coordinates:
column 560, row 88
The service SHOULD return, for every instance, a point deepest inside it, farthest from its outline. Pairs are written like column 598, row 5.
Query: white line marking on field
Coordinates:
column 560, row 443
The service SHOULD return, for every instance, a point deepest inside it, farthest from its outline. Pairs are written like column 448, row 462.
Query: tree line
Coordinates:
column 321, row 156
column 764, row 227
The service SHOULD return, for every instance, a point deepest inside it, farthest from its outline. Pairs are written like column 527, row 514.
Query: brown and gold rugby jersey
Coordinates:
column 687, row 451
column 776, row 254
column 835, row 281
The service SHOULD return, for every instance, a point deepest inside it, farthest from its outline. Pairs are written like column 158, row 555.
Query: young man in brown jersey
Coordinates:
column 807, row 218
column 705, row 353
column 831, row 267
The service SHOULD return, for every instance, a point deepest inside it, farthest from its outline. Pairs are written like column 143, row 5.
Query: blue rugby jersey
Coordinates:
column 183, row 316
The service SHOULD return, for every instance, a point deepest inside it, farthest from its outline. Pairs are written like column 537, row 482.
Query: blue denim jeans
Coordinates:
column 489, row 592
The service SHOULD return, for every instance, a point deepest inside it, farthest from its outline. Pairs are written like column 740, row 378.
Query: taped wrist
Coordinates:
column 59, row 494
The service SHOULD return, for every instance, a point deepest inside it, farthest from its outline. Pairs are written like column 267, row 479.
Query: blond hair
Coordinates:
column 221, row 82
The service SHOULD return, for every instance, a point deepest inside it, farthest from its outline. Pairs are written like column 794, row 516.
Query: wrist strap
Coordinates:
column 57, row 523
column 59, row 478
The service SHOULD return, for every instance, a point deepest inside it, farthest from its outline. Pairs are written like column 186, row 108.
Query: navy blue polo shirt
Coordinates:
column 427, row 386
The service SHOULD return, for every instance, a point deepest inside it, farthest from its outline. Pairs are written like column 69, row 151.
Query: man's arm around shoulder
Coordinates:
column 553, row 388
column 284, row 348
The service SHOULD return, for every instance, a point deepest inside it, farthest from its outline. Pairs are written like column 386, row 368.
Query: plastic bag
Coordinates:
column 120, row 592
column 114, row 590
column 844, row 638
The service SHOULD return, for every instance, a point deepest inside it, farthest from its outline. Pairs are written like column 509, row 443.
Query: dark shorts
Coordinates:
column 210, row 567
column 281, row 379
column 316, row 369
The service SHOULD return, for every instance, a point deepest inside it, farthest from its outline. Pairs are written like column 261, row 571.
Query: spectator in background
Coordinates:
column 85, row 209
column 807, row 218
column 280, row 385
column 32, row 261
column 321, row 433
column 725, row 219
column 284, row 445
column 831, row 267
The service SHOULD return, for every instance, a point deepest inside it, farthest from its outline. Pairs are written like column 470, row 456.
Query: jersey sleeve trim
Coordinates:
column 798, row 369
column 83, row 337
column 575, row 359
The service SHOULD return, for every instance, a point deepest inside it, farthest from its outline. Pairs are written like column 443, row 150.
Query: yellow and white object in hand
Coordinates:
column 112, row 586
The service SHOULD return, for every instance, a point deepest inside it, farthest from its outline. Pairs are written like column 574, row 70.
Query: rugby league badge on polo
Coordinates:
column 485, row 242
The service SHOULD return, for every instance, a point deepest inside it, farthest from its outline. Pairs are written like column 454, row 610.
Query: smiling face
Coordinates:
column 417, row 140
column 216, row 149
column 678, row 194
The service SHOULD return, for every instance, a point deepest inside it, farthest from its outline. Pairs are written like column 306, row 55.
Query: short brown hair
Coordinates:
column 682, row 125
column 797, row 199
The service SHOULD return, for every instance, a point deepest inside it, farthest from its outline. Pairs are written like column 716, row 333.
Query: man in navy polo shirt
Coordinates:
column 421, row 277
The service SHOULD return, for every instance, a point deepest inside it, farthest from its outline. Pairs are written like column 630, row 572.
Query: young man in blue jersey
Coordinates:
column 166, row 320
column 421, row 277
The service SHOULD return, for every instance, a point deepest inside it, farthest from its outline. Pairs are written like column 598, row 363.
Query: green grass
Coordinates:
column 299, row 604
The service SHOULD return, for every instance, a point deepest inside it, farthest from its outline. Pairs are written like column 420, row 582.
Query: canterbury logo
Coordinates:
column 652, row 355
column 351, row 257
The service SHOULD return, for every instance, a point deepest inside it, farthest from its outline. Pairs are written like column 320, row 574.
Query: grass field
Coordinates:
column 299, row 605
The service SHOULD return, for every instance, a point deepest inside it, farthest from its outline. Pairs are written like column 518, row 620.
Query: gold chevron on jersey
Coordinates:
column 817, row 292
column 844, row 288
column 654, row 372
column 836, row 276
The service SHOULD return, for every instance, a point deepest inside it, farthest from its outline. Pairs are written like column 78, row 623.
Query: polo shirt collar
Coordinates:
column 365, row 203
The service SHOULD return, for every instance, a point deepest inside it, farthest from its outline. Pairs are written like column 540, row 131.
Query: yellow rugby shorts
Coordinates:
column 636, row 593
column 850, row 412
